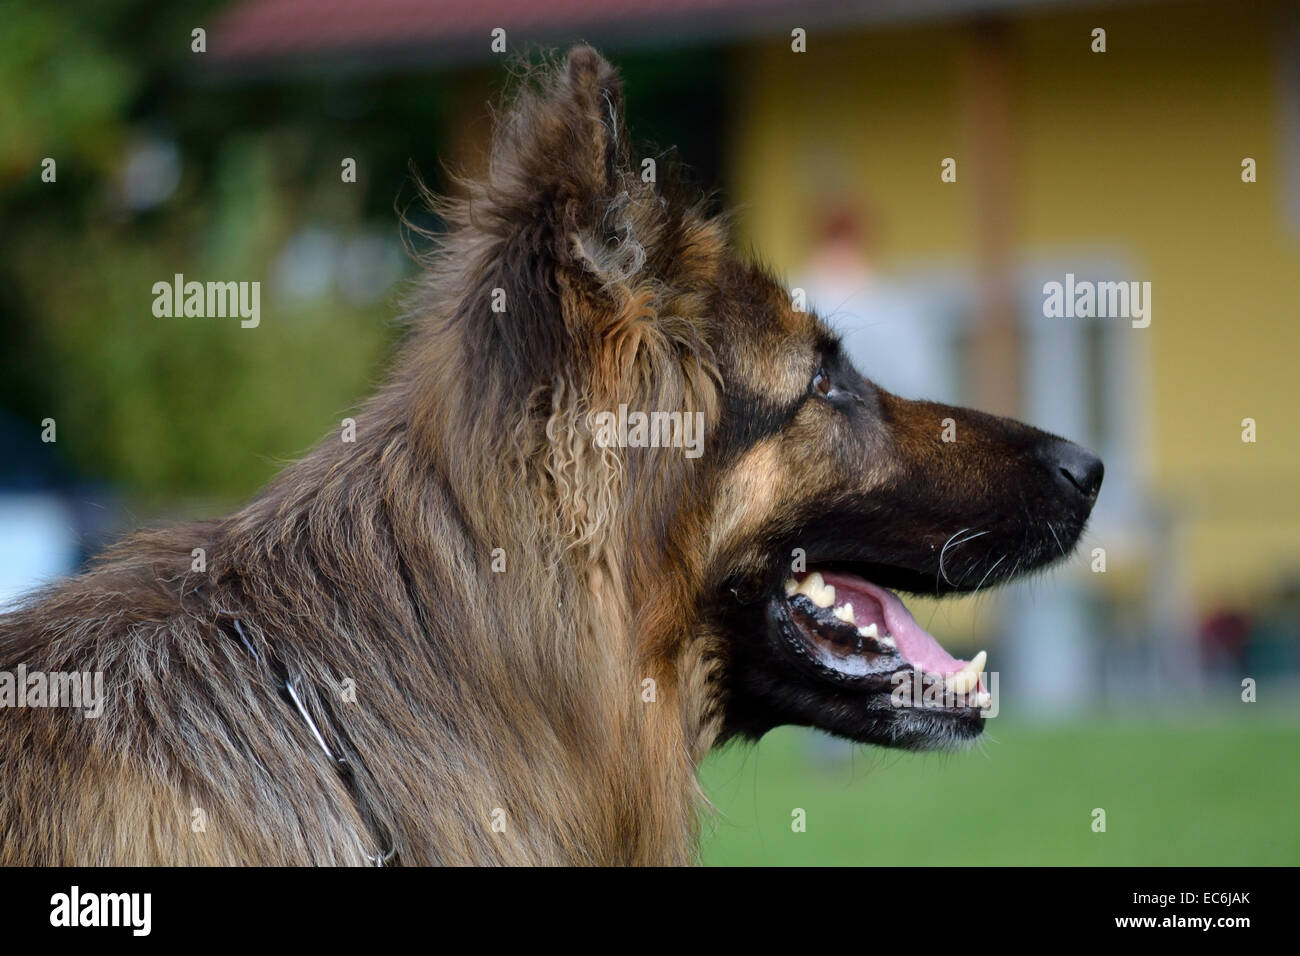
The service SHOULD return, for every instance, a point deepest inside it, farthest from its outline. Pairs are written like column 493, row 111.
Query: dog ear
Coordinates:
column 562, row 148
column 557, row 226
column 551, row 313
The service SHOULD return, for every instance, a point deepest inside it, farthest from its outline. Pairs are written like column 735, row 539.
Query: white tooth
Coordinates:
column 791, row 586
column 845, row 613
column 983, row 699
column 873, row 632
column 811, row 586
column 966, row 679
column 827, row 597
column 962, row 682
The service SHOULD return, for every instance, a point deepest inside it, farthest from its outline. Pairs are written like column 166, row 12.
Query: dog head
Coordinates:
column 771, row 541
column 837, row 496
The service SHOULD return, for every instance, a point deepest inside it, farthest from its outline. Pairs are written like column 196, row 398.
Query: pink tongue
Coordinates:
column 915, row 643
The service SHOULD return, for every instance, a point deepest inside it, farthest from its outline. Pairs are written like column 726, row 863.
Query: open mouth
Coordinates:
column 858, row 630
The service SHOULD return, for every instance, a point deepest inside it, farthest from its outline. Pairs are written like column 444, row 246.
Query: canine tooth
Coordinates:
column 845, row 613
column 967, row 679
column 962, row 682
column 791, row 587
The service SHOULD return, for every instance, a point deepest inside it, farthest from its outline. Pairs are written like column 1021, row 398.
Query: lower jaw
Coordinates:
column 898, row 686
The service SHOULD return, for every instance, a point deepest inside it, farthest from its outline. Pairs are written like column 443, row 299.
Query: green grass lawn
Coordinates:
column 1196, row 790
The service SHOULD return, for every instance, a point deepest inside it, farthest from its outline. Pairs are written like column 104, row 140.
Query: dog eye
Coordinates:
column 821, row 383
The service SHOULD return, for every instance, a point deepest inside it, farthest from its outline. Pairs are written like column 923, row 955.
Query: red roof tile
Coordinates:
column 310, row 30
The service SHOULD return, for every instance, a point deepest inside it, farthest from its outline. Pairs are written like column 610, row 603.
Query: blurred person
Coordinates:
column 889, row 329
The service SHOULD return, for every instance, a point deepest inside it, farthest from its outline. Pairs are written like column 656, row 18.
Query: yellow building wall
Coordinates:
column 1136, row 150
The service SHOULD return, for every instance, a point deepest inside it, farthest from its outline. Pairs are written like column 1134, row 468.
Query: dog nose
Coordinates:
column 1077, row 469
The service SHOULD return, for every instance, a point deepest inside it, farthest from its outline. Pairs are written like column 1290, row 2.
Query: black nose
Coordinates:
column 1077, row 469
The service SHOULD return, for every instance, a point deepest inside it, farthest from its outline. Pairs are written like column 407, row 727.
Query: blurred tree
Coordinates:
column 165, row 166
column 171, row 408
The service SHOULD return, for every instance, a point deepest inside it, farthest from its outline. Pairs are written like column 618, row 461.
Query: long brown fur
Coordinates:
column 499, row 717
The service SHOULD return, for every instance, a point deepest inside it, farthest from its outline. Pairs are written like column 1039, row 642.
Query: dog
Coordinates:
column 501, row 626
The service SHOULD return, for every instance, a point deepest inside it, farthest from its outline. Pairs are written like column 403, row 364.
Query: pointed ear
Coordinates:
column 570, row 133
column 560, row 154
column 559, row 230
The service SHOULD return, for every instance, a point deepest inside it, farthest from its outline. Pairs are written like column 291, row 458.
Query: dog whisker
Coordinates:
column 944, row 550
column 988, row 572
column 950, row 543
column 1058, row 540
